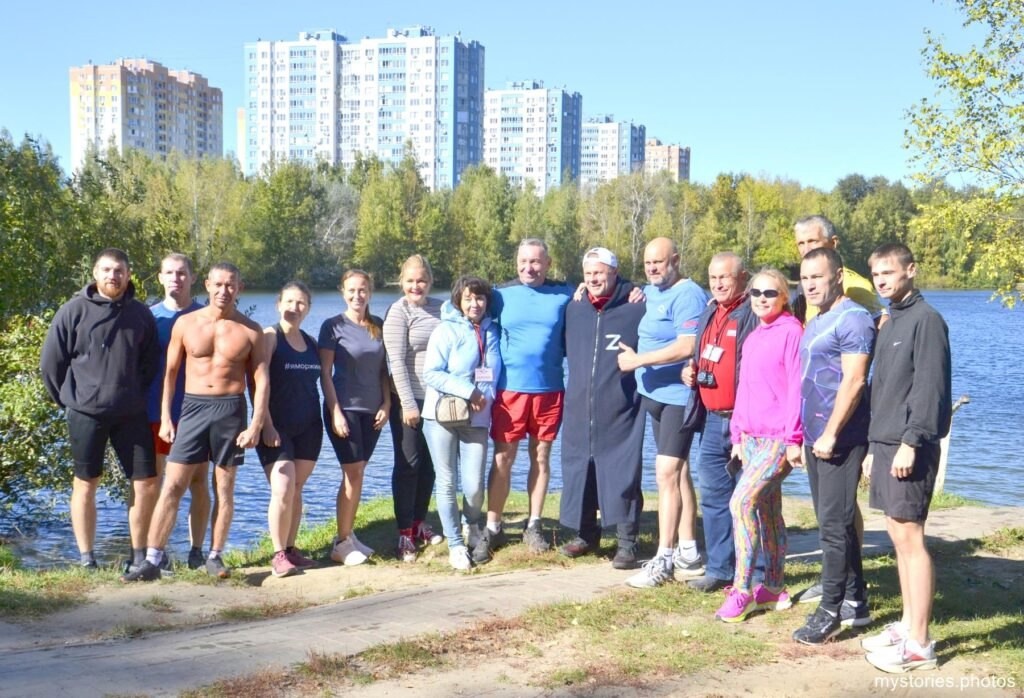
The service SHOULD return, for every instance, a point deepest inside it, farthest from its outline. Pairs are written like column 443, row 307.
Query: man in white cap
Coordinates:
column 602, row 443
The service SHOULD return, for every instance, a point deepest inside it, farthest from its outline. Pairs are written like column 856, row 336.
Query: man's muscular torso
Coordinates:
column 219, row 351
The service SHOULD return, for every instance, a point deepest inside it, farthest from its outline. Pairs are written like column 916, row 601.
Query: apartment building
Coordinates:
column 673, row 158
column 533, row 134
column 140, row 104
column 609, row 149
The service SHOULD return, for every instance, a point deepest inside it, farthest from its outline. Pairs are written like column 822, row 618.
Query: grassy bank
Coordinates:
column 637, row 638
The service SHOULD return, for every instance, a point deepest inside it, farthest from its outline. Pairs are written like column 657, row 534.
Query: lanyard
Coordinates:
column 480, row 343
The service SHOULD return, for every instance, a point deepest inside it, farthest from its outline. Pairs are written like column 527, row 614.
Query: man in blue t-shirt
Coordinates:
column 835, row 353
column 667, row 336
column 531, row 387
column 177, row 276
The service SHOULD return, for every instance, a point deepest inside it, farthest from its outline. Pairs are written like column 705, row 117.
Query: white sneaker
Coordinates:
column 891, row 635
column 360, row 545
column 458, row 557
column 687, row 568
column 345, row 552
column 654, row 573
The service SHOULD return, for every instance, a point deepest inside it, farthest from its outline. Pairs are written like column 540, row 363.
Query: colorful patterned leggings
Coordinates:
column 756, row 507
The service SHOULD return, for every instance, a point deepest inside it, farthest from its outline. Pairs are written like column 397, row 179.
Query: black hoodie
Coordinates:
column 100, row 355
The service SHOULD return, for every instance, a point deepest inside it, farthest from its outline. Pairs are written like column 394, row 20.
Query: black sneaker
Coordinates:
column 820, row 627
column 851, row 616
column 146, row 572
column 625, row 559
column 811, row 594
column 495, row 541
column 481, row 552
column 533, row 539
column 708, row 584
column 90, row 566
column 578, row 547
column 215, row 567
column 196, row 559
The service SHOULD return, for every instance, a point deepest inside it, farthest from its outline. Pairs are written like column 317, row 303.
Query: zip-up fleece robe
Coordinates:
column 603, row 419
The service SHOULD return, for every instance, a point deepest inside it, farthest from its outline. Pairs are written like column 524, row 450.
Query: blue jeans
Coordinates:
column 716, row 487
column 459, row 456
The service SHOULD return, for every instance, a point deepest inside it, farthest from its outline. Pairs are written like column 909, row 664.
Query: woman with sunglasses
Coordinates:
column 767, row 438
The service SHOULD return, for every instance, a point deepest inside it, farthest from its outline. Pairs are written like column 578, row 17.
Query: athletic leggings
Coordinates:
column 756, row 507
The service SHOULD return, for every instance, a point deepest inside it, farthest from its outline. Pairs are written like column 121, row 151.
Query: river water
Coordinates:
column 985, row 460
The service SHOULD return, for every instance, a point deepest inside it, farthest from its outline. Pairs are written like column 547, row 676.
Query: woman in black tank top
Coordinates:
column 293, row 432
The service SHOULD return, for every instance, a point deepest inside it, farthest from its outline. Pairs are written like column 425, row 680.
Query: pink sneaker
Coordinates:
column 738, row 605
column 298, row 559
column 766, row 600
column 280, row 566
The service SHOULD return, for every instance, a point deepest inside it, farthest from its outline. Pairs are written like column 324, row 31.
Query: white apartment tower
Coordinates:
column 532, row 134
column 328, row 99
column 140, row 104
column 609, row 149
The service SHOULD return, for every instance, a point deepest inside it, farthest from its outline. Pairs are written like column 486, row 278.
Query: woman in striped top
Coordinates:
column 408, row 325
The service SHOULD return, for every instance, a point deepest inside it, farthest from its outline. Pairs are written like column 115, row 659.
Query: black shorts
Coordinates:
column 208, row 429
column 667, row 422
column 296, row 444
column 362, row 437
column 906, row 499
column 129, row 435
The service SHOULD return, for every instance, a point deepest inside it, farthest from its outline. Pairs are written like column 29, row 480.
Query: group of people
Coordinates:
column 765, row 384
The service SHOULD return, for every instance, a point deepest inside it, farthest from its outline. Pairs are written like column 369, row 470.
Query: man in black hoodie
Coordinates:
column 911, row 395
column 99, row 357
column 602, row 443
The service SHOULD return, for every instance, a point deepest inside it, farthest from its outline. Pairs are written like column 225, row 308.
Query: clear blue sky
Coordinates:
column 809, row 90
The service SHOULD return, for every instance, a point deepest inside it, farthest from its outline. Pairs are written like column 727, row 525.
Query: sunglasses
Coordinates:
column 768, row 293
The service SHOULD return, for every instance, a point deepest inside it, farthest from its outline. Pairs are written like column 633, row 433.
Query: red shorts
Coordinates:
column 162, row 447
column 517, row 414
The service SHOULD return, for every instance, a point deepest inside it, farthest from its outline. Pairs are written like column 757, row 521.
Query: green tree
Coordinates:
column 975, row 126
column 481, row 213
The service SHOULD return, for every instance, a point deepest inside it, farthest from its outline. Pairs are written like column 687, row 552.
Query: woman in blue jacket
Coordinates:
column 462, row 360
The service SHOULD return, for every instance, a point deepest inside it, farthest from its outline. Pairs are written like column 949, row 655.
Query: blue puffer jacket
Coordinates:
column 453, row 355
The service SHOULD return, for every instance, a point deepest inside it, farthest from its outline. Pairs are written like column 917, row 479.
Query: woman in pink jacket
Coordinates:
column 766, row 437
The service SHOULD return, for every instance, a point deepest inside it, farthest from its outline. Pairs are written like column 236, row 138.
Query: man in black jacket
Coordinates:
column 602, row 442
column 714, row 373
column 911, row 397
column 99, row 357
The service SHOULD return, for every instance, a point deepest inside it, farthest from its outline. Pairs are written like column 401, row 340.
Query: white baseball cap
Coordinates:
column 603, row 255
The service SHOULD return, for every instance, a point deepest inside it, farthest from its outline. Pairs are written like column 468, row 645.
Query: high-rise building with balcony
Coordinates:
column 675, row 159
column 136, row 103
column 532, row 134
column 325, row 98
column 610, row 148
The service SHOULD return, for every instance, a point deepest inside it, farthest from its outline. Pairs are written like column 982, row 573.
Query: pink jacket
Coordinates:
column 768, row 396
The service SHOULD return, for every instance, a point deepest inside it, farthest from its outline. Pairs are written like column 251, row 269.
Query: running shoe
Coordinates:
column 215, row 567
column 820, row 627
column 406, row 549
column 458, row 557
column 423, row 533
column 298, row 559
column 625, row 558
column 811, row 594
column 687, row 568
column 360, row 545
column 533, row 538
column 654, row 573
column 708, row 584
column 166, row 566
column 495, row 540
column 146, row 572
column 901, row 658
column 196, row 558
column 281, row 566
column 344, row 551
column 480, row 549
column 851, row 616
column 767, row 600
column 738, row 605
column 891, row 635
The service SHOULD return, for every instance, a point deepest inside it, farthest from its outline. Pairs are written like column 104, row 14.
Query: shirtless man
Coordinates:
column 222, row 346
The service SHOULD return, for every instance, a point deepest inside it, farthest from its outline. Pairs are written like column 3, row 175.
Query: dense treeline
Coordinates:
column 313, row 222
